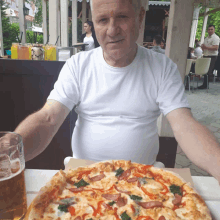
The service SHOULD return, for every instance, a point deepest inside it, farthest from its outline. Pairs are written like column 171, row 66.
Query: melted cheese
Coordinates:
column 92, row 195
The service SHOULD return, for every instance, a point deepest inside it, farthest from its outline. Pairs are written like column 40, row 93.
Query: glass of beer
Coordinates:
column 13, row 200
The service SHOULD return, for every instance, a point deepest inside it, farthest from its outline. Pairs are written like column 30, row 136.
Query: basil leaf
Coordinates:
column 63, row 208
column 81, row 183
column 175, row 189
column 89, row 219
column 119, row 171
column 112, row 203
column 124, row 216
column 133, row 197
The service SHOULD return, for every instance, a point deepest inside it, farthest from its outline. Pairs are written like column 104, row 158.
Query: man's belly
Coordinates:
column 115, row 138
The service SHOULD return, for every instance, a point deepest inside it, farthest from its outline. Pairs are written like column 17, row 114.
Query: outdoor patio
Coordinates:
column 206, row 109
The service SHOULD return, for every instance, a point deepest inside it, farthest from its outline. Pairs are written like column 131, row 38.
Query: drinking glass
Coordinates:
column 23, row 52
column 14, row 51
column 13, row 199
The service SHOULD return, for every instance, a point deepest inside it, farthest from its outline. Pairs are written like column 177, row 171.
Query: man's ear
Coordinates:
column 141, row 15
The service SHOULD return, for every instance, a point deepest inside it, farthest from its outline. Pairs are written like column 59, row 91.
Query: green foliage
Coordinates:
column 214, row 18
column 39, row 15
column 33, row 37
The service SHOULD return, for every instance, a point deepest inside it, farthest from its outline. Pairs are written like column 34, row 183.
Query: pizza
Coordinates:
column 117, row 190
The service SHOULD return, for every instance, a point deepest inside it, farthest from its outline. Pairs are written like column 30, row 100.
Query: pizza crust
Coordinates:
column 38, row 205
column 193, row 201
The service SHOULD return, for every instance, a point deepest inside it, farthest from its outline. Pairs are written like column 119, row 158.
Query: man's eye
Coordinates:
column 122, row 16
column 103, row 20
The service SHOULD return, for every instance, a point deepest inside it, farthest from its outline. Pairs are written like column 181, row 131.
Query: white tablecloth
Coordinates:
column 207, row 187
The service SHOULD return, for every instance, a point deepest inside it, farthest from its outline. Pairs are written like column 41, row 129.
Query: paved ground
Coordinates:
column 206, row 109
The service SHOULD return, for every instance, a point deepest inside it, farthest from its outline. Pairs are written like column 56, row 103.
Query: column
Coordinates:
column 90, row 14
column 194, row 26
column 1, row 36
column 53, row 21
column 141, row 32
column 22, row 20
column 74, row 22
column 64, row 23
column 59, row 24
column 44, row 9
column 84, row 3
column 204, row 26
column 179, row 27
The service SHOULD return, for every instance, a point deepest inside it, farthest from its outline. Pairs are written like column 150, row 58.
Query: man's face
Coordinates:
column 116, row 26
column 211, row 31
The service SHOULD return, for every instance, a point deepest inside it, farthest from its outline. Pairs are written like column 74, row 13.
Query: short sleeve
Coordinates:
column 171, row 94
column 66, row 88
column 216, row 41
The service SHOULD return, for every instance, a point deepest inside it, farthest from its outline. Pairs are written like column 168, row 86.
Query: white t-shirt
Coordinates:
column 90, row 42
column 118, row 107
column 198, row 52
column 211, row 41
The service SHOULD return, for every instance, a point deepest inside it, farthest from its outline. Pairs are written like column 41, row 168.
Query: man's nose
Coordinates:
column 113, row 28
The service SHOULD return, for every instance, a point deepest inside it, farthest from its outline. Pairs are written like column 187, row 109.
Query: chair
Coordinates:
column 202, row 68
column 188, row 67
column 215, row 73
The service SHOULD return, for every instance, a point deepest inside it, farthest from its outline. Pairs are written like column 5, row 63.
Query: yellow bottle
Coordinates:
column 14, row 51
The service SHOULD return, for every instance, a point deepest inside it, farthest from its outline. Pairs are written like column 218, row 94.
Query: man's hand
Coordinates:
column 203, row 47
column 200, row 146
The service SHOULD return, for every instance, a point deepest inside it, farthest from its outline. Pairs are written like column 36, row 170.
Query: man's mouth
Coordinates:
column 113, row 42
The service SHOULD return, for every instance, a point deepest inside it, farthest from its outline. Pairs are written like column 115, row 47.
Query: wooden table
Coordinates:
column 207, row 187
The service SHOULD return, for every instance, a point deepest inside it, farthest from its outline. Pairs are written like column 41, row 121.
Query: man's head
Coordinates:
column 136, row 3
column 117, row 24
column 157, row 40
column 211, row 30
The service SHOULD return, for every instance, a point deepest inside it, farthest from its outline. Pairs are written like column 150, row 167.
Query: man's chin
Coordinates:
column 116, row 53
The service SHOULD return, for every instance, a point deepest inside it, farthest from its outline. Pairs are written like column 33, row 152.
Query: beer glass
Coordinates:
column 13, row 200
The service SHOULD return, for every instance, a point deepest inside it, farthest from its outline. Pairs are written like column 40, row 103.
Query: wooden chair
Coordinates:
column 167, row 151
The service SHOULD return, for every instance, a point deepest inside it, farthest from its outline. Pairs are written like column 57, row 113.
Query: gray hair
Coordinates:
column 136, row 3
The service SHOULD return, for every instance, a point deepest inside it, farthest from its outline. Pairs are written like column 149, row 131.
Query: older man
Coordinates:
column 118, row 91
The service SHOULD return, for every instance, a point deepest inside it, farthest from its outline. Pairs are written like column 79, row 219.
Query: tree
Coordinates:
column 214, row 19
column 33, row 37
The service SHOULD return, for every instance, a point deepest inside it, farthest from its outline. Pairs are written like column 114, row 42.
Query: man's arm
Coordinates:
column 214, row 47
column 38, row 129
column 196, row 141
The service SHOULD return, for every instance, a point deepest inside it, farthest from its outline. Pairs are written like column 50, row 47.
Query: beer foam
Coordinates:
column 21, row 168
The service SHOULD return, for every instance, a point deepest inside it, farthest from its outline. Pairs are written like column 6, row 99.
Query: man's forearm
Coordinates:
column 36, row 133
column 200, row 146
column 211, row 48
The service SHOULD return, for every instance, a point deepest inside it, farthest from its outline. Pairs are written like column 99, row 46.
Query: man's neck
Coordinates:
column 211, row 35
column 123, row 61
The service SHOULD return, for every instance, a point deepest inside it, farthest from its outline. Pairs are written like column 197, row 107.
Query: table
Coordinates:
column 207, row 187
column 80, row 44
